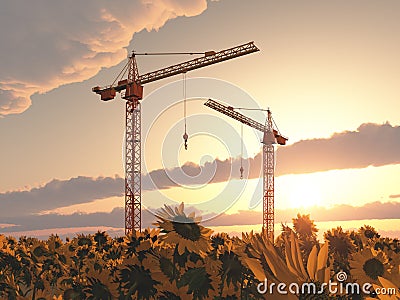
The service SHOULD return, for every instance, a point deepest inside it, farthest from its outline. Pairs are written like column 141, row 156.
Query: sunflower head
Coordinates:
column 368, row 264
column 101, row 240
column 304, row 227
column 368, row 235
column 136, row 281
column 11, row 242
column 341, row 246
column 39, row 251
column 140, row 242
column 340, row 243
column 220, row 243
column 368, row 232
column 100, row 284
column 54, row 242
column 84, row 240
column 183, row 230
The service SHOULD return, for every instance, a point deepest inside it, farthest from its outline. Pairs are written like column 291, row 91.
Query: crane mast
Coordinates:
column 131, row 90
column 271, row 136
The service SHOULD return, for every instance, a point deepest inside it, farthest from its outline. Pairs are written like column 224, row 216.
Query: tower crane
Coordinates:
column 131, row 90
column 271, row 137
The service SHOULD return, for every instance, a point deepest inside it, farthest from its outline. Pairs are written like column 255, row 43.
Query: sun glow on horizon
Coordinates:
column 303, row 193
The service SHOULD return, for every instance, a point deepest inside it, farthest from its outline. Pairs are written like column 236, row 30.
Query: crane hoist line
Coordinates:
column 129, row 83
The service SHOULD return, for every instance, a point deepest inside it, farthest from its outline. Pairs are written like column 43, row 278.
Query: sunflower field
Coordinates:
column 181, row 259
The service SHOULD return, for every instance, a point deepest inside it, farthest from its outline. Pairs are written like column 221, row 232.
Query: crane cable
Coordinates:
column 241, row 152
column 121, row 74
column 185, row 135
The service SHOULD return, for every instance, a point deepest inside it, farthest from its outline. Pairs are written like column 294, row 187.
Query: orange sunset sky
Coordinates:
column 328, row 70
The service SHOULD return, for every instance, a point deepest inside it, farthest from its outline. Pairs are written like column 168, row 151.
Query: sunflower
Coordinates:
column 54, row 242
column 304, row 227
column 113, row 257
column 387, row 244
column 368, row 264
column 138, row 243
column 166, row 272
column 220, row 243
column 231, row 272
column 85, row 240
column 100, row 284
column 340, row 245
column 200, row 284
column 3, row 241
column 136, row 281
column 39, row 251
column 183, row 231
column 368, row 234
column 65, row 254
column 102, row 241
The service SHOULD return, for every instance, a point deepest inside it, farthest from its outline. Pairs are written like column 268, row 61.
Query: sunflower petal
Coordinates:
column 322, row 256
column 312, row 263
column 299, row 258
column 386, row 283
column 255, row 266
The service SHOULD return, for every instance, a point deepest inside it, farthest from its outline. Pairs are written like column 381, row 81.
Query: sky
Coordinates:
column 328, row 70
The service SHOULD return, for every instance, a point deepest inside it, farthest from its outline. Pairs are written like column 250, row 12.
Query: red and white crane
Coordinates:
column 131, row 90
column 271, row 137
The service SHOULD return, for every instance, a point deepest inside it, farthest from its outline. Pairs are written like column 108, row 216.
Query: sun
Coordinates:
column 302, row 191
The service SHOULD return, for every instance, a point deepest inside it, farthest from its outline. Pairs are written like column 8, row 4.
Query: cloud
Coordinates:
column 49, row 43
column 374, row 210
column 194, row 174
column 114, row 220
column 394, row 196
column 59, row 193
column 370, row 145
column 10, row 103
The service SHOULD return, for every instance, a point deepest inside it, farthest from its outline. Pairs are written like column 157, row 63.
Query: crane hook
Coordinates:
column 185, row 138
column 241, row 172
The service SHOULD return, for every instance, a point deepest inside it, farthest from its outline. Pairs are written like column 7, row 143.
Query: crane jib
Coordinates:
column 200, row 62
column 210, row 58
column 228, row 111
